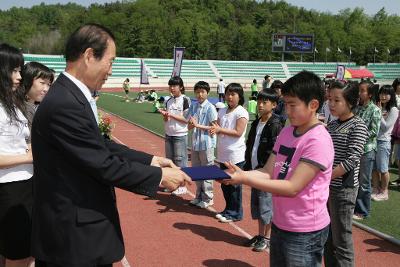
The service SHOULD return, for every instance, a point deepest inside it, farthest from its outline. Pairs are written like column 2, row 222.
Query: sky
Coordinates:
column 332, row 6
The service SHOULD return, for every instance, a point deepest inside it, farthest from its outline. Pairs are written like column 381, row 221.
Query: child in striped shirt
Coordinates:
column 349, row 134
column 201, row 116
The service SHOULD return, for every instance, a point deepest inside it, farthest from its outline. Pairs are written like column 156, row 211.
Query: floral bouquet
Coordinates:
column 105, row 126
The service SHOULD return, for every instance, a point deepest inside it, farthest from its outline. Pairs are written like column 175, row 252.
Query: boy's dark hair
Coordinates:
column 34, row 70
column 268, row 94
column 306, row 86
column 277, row 84
column 388, row 90
column 176, row 80
column 161, row 99
column 202, row 85
column 266, row 77
column 350, row 92
column 371, row 89
column 236, row 88
column 254, row 81
column 90, row 35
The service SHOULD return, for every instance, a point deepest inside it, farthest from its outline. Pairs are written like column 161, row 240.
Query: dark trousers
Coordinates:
column 39, row 263
column 233, row 198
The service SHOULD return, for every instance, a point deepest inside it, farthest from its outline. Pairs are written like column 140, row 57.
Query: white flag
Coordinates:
column 388, row 51
column 178, row 58
column 315, row 50
column 144, row 78
column 339, row 50
column 328, row 49
column 350, row 51
column 376, row 50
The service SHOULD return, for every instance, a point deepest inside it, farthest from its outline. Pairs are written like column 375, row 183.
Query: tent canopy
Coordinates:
column 358, row 74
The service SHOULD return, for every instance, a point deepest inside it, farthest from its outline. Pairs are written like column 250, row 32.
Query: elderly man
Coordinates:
column 75, row 217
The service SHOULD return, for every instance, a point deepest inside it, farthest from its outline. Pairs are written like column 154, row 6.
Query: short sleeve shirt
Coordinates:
column 307, row 211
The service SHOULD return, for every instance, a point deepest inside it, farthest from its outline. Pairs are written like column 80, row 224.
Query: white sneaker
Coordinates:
column 225, row 220
column 205, row 204
column 219, row 216
column 381, row 197
column 180, row 191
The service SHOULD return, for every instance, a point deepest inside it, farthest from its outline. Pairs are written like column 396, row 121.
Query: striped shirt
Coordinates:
column 205, row 113
column 349, row 138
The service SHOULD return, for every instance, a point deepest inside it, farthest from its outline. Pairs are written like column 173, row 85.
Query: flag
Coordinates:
column 376, row 50
column 328, row 49
column 178, row 58
column 350, row 51
column 315, row 50
column 144, row 78
column 388, row 51
column 339, row 50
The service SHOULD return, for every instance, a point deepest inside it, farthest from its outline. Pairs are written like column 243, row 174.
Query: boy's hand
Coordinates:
column 193, row 121
column 237, row 174
column 215, row 128
column 163, row 162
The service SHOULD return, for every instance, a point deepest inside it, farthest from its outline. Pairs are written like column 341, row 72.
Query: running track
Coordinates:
column 166, row 231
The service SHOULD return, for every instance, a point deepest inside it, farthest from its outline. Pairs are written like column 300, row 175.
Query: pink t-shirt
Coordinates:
column 306, row 212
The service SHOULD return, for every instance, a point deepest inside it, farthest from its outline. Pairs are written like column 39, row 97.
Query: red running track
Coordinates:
column 166, row 231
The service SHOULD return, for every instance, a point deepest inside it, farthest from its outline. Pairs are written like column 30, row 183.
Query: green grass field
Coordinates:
column 384, row 215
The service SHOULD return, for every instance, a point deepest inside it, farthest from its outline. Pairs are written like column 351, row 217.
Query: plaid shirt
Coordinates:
column 371, row 115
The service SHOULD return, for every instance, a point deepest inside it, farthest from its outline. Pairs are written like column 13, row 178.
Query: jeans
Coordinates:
column 176, row 149
column 233, row 198
column 339, row 250
column 293, row 249
column 204, row 191
column 363, row 202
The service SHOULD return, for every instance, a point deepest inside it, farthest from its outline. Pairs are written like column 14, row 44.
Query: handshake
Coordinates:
column 172, row 176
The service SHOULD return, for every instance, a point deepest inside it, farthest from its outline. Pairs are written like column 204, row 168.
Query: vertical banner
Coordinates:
column 144, row 78
column 340, row 71
column 178, row 58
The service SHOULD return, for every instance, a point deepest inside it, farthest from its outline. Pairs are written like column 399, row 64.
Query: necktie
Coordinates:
column 94, row 109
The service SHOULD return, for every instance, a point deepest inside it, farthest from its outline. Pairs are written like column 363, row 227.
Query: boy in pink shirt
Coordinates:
column 298, row 174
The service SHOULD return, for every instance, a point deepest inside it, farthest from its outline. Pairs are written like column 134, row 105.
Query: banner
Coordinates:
column 340, row 71
column 144, row 78
column 178, row 58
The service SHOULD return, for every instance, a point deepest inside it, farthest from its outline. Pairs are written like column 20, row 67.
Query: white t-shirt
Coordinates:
column 221, row 87
column 231, row 148
column 176, row 106
column 254, row 161
column 13, row 138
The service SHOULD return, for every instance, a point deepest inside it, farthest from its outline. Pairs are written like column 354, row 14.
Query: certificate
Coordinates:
column 205, row 173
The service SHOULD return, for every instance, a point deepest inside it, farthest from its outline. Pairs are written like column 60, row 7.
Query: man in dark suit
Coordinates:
column 75, row 217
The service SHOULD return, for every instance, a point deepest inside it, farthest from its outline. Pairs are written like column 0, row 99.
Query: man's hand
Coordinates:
column 174, row 178
column 162, row 162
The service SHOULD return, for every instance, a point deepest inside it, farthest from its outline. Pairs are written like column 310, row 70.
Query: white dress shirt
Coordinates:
column 13, row 141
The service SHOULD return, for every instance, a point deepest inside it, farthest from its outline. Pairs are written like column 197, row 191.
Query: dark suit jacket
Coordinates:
column 75, row 217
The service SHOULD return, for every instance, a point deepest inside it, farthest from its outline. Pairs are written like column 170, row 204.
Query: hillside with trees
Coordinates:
column 209, row 29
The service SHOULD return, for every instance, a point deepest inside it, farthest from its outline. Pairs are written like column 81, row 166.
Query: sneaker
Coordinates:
column 205, row 204
column 179, row 191
column 225, row 220
column 219, row 216
column 381, row 197
column 194, row 202
column 253, row 241
column 358, row 217
column 395, row 182
column 262, row 244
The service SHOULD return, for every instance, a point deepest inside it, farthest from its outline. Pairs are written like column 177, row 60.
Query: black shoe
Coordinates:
column 262, row 244
column 253, row 241
column 395, row 182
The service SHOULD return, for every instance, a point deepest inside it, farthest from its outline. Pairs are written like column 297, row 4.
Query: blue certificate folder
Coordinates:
column 205, row 173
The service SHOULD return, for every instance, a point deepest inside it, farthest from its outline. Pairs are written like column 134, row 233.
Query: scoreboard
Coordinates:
column 293, row 43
